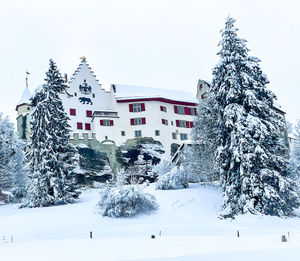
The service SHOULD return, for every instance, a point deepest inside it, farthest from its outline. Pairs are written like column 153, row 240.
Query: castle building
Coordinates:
column 124, row 112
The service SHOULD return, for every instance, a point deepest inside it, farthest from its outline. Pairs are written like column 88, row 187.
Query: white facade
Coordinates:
column 164, row 115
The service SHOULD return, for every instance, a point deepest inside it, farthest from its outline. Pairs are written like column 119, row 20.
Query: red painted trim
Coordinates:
column 73, row 112
column 142, row 106
column 187, row 124
column 89, row 113
column 143, row 120
column 21, row 105
column 131, row 121
column 158, row 99
column 130, row 107
column 175, row 109
column 177, row 123
column 101, row 123
column 111, row 123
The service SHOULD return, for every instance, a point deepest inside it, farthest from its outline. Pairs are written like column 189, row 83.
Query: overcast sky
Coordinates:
column 164, row 44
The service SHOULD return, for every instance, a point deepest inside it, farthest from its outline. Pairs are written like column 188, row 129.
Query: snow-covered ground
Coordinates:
column 187, row 220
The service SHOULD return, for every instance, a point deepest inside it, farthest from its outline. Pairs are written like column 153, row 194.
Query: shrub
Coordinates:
column 177, row 178
column 126, row 201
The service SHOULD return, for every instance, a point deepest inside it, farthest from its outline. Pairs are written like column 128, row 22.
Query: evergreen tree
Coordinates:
column 250, row 153
column 295, row 154
column 52, row 158
column 12, row 171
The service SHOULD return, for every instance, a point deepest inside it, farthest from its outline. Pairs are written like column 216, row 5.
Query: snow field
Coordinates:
column 186, row 218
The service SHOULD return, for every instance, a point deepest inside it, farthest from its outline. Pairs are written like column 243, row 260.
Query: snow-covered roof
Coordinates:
column 138, row 92
column 25, row 97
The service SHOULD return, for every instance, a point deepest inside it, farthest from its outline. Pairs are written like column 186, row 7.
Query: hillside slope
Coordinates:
column 187, row 220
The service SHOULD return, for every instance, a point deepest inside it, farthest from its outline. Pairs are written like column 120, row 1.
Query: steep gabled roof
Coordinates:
column 25, row 99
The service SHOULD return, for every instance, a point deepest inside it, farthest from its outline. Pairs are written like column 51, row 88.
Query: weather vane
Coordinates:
column 27, row 73
column 83, row 59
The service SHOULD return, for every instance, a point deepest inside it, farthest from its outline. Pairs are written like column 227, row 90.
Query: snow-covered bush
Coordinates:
column 126, row 201
column 177, row 178
column 163, row 166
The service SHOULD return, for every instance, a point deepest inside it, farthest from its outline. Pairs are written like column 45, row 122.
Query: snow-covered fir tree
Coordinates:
column 12, row 171
column 295, row 154
column 52, row 158
column 201, row 158
column 250, row 154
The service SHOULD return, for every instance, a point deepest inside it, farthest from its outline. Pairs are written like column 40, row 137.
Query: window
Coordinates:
column 184, row 124
column 93, row 95
column 174, row 136
column 106, row 137
column 106, row 122
column 28, row 108
column 164, row 121
column 172, row 123
column 163, row 108
column 179, row 110
column 79, row 125
column 122, row 133
column 73, row 112
column 137, row 107
column 138, row 121
column 200, row 87
column 157, row 132
column 75, row 94
column 89, row 113
column 183, row 136
column 180, row 123
column 138, row 133
column 87, row 126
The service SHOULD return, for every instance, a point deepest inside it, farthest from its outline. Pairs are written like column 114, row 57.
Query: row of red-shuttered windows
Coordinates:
column 137, row 121
column 187, row 110
column 142, row 107
column 188, row 124
column 88, row 113
column 87, row 126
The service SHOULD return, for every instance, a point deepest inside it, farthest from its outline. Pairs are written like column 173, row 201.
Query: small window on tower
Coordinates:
column 75, row 94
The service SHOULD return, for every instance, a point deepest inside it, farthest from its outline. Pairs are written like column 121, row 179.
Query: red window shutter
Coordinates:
column 161, row 108
column 111, row 123
column 101, row 122
column 202, row 96
column 87, row 126
column 187, row 124
column 175, row 109
column 195, row 111
column 186, row 110
column 73, row 112
column 200, row 86
column 143, row 120
column 89, row 113
column 79, row 125
column 143, row 106
column 131, row 107
column 131, row 121
column 177, row 123
column 191, row 124
column 163, row 121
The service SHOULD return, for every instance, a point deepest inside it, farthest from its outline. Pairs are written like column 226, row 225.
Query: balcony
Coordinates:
column 105, row 114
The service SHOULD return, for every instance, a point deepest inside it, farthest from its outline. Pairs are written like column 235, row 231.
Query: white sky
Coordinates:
column 158, row 43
